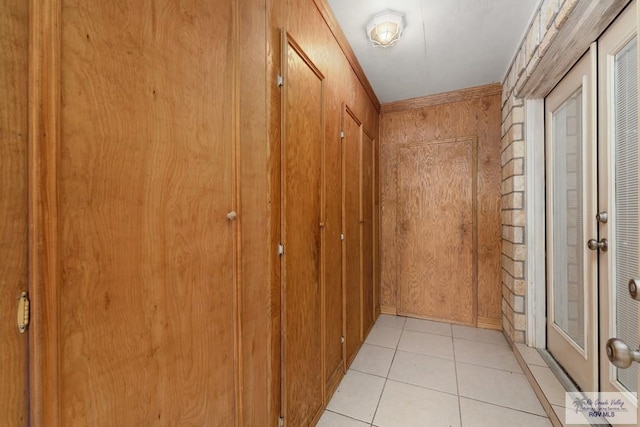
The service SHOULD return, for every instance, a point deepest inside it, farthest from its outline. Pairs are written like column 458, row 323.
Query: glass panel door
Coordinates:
column 619, row 189
column 571, row 186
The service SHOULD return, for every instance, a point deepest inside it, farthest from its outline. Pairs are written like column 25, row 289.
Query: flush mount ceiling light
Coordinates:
column 385, row 29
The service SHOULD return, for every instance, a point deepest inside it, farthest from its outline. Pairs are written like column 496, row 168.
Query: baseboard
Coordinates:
column 488, row 323
column 389, row 309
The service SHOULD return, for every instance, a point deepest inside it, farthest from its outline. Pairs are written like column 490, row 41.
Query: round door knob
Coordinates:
column 620, row 354
column 594, row 244
column 231, row 216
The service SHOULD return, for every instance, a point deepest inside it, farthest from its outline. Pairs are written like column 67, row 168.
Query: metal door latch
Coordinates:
column 23, row 312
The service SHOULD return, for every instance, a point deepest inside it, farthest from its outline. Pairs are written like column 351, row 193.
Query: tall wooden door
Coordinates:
column 436, row 230
column 303, row 136
column 366, row 230
column 14, row 37
column 136, row 289
column 352, row 279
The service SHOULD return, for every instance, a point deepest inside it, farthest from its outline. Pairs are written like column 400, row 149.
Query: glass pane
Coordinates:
column 568, row 286
column 625, row 104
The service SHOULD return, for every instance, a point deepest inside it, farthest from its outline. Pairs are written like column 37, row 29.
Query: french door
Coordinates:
column 593, row 211
column 571, row 198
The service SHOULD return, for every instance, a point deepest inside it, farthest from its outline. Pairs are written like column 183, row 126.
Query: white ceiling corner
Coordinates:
column 446, row 44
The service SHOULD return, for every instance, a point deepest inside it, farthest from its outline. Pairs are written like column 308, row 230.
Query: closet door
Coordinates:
column 14, row 37
column 366, row 230
column 352, row 282
column 436, row 230
column 303, row 136
column 136, row 286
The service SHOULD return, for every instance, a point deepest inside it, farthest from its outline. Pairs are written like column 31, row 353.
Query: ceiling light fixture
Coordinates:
column 385, row 29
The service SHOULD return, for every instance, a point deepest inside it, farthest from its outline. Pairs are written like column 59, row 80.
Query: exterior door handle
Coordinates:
column 634, row 289
column 594, row 244
column 620, row 354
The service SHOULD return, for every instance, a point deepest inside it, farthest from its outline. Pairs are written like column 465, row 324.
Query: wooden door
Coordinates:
column 303, row 136
column 366, row 230
column 352, row 282
column 136, row 287
column 436, row 230
column 14, row 37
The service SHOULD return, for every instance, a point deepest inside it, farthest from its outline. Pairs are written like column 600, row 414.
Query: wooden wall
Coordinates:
column 310, row 24
column 14, row 38
column 468, row 113
column 155, row 203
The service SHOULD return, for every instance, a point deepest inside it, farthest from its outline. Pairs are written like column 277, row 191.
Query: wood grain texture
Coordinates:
column 352, row 283
column 478, row 117
column 435, row 221
column 443, row 98
column 14, row 38
column 147, row 295
column 341, row 39
column 253, row 211
column 303, row 137
column 366, row 231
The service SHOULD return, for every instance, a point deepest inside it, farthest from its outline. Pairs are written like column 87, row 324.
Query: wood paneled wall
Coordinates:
column 14, row 39
column 310, row 23
column 470, row 113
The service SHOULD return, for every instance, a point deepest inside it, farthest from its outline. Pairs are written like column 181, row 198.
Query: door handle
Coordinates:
column 594, row 244
column 634, row 289
column 620, row 354
column 602, row 217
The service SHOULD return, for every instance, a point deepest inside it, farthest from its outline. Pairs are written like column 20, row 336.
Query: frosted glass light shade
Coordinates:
column 385, row 29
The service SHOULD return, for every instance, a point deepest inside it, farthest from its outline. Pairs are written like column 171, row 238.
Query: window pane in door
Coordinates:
column 568, row 298
column 625, row 104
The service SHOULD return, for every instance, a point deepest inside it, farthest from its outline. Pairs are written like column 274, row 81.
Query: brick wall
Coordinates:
column 549, row 18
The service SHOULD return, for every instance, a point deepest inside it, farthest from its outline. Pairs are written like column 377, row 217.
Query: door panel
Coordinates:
column 619, row 192
column 303, row 137
column 366, row 230
column 351, row 229
column 571, row 272
column 146, row 300
column 436, row 230
column 14, row 38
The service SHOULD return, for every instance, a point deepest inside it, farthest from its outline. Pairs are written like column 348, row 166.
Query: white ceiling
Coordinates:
column 446, row 44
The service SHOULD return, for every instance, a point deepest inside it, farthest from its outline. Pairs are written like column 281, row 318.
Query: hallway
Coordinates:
column 412, row 372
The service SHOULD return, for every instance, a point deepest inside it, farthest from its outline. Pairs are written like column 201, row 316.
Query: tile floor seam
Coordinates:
column 504, row 407
column 491, row 367
column 455, row 369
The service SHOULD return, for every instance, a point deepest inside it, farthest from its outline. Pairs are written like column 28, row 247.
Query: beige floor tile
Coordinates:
column 531, row 355
column 405, row 405
column 429, row 344
column 390, row 321
column 551, row 387
column 477, row 334
column 428, row 327
column 373, row 359
column 490, row 355
column 480, row 414
column 508, row 389
column 560, row 412
column 331, row 419
column 384, row 336
column 425, row 371
column 357, row 396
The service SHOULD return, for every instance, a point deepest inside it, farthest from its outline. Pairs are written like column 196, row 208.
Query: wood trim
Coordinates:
column 237, row 206
column 389, row 309
column 442, row 98
column 44, row 138
column 585, row 24
column 488, row 323
column 341, row 39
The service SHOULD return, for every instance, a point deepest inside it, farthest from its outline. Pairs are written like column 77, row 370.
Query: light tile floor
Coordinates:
column 412, row 372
